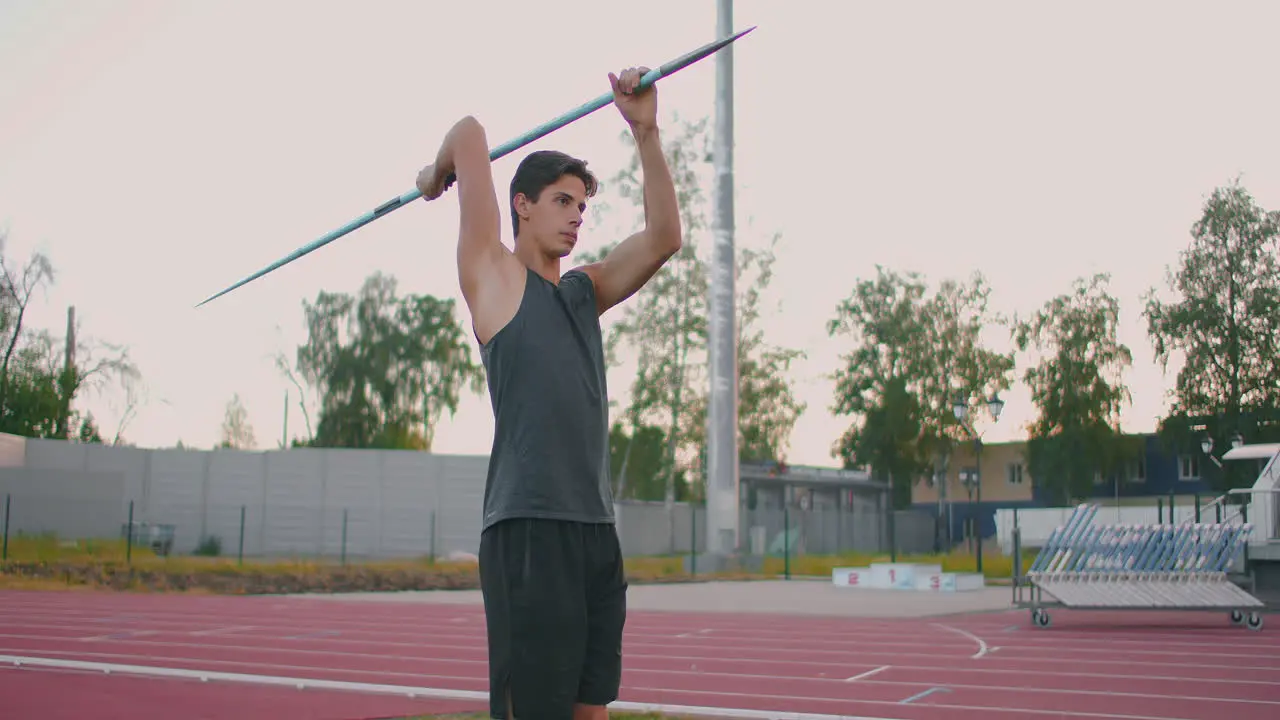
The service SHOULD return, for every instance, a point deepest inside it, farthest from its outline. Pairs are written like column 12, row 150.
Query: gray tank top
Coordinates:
column 546, row 376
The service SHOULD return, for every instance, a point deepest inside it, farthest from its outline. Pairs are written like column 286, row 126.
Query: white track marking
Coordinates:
column 982, row 645
column 403, row 690
column 122, row 635
column 415, row 692
column 481, row 678
column 868, row 673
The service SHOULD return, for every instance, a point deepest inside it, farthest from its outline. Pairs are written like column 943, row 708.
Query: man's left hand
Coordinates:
column 638, row 107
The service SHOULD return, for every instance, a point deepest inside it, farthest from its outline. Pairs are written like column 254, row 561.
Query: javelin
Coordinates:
column 546, row 128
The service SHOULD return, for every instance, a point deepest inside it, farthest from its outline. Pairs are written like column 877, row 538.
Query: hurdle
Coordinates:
column 1162, row 566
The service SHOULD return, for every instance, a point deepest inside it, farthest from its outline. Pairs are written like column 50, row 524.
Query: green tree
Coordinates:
column 875, row 386
column 767, row 406
column 636, row 463
column 1078, row 389
column 889, row 440
column 88, row 432
column 38, row 386
column 912, row 355
column 957, row 365
column 17, row 287
column 1225, row 326
column 665, row 325
column 237, row 431
column 33, row 402
column 384, row 367
column 42, row 392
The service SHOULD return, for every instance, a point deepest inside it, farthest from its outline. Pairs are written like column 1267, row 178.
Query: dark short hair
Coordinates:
column 542, row 168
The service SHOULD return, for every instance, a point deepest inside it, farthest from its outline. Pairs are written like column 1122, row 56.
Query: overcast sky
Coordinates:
column 159, row 151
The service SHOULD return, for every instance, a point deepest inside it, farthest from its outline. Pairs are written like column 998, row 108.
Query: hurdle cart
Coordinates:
column 1138, row 567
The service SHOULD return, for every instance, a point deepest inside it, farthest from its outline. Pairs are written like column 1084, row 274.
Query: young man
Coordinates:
column 550, row 560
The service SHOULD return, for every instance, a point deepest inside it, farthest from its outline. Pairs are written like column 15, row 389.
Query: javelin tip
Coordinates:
column 735, row 36
column 702, row 52
column 713, row 47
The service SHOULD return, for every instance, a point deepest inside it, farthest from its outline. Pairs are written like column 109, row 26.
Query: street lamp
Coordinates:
column 996, row 406
column 961, row 409
column 1206, row 444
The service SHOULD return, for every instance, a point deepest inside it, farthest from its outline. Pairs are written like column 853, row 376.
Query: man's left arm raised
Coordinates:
column 636, row 259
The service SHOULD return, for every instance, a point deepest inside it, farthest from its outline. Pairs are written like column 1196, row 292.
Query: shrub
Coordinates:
column 210, row 546
column 41, row 561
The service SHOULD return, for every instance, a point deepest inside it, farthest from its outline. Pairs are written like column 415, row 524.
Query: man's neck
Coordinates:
column 546, row 266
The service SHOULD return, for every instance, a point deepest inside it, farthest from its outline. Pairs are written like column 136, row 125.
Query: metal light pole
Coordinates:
column 977, row 451
column 995, row 405
column 722, row 415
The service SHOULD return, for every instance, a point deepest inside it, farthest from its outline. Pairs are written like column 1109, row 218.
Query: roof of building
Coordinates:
column 809, row 475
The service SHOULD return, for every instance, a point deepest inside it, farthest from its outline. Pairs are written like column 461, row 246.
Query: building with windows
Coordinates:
column 771, row 486
column 1155, row 476
column 826, row 510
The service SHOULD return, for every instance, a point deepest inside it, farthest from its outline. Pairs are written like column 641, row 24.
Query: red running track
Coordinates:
column 1171, row 666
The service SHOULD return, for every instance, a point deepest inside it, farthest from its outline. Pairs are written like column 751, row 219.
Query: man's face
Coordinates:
column 553, row 222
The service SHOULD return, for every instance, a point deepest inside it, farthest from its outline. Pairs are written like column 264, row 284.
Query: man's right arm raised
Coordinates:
column 488, row 273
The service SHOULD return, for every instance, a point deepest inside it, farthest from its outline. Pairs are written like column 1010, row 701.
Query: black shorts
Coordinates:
column 555, row 599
